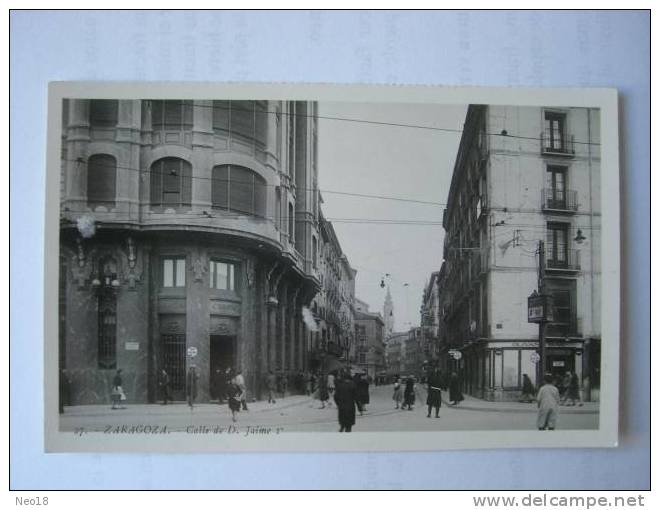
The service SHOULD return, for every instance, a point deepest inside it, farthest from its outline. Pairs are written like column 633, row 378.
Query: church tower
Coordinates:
column 388, row 314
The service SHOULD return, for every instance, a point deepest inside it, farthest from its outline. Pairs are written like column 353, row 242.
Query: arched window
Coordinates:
column 171, row 182
column 171, row 115
column 101, row 180
column 103, row 113
column 236, row 188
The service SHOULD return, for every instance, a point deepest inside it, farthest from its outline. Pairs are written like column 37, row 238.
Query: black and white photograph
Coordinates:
column 232, row 266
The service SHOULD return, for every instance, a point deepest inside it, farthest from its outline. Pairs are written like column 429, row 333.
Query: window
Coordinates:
column 291, row 222
column 563, row 294
column 362, row 358
column 556, row 187
column 171, row 115
column 103, row 113
column 555, row 131
column 174, row 272
column 222, row 275
column 107, row 316
column 171, row 182
column 314, row 249
column 236, row 188
column 291, row 132
column 557, row 245
column 101, row 179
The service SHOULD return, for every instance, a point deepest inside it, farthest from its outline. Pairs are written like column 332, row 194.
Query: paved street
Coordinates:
column 302, row 414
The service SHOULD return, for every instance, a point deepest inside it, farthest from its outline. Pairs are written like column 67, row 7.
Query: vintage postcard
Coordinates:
column 254, row 267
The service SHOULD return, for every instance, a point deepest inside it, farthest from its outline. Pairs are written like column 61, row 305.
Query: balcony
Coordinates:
column 557, row 144
column 559, row 200
column 562, row 259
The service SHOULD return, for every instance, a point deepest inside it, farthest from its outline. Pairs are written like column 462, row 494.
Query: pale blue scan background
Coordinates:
column 471, row 48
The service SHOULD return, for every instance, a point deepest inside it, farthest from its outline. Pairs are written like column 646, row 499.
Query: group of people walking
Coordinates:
column 405, row 391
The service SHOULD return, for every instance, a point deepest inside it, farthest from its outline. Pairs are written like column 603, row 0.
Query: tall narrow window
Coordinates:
column 222, row 275
column 314, row 249
column 242, row 118
column 556, row 187
column 171, row 182
column 557, row 245
column 103, row 113
column 291, row 139
column 174, row 272
column 555, row 131
column 291, row 222
column 101, row 180
column 107, row 317
column 221, row 117
column 171, row 115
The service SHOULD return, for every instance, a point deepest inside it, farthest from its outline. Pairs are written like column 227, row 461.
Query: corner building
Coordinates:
column 204, row 216
column 523, row 176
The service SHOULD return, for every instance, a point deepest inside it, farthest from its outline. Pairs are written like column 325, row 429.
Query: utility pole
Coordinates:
column 541, row 287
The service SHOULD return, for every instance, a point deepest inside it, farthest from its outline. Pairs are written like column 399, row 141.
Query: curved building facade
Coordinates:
column 187, row 235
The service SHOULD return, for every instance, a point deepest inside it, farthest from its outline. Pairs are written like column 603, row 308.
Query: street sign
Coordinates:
column 192, row 352
column 535, row 357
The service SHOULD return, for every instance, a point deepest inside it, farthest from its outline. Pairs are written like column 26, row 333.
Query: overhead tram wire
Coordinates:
column 323, row 191
column 376, row 122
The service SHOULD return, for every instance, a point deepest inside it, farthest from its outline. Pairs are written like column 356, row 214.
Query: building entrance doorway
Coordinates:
column 173, row 348
column 222, row 357
column 560, row 362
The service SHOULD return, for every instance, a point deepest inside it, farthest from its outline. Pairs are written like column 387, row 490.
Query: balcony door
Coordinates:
column 556, row 187
column 557, row 245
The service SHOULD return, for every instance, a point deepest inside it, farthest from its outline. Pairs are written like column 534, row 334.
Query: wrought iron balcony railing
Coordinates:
column 562, row 259
column 559, row 199
column 557, row 145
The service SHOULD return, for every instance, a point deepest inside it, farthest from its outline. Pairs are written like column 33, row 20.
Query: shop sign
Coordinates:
column 539, row 308
column 132, row 346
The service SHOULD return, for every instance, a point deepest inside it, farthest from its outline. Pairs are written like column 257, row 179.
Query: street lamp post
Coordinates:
column 541, row 287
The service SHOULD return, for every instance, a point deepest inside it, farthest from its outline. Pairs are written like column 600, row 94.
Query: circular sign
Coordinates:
column 192, row 351
column 535, row 357
column 457, row 355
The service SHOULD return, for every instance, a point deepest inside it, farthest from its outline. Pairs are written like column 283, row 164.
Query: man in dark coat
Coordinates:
column 436, row 383
column 346, row 400
column 164, row 383
column 362, row 392
column 455, row 395
column 191, row 385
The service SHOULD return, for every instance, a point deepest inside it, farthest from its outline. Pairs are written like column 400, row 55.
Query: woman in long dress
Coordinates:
column 409, row 394
column 397, row 396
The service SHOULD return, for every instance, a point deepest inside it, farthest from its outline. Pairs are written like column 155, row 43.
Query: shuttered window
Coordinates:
column 171, row 182
column 236, row 188
column 103, row 113
column 171, row 115
column 101, row 180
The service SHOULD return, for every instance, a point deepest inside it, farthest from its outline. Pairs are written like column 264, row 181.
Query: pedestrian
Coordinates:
column 527, row 394
column 548, row 404
column 322, row 393
column 363, row 391
column 239, row 381
column 191, row 385
column 308, row 384
column 573, row 391
column 397, row 395
column 330, row 384
column 164, row 384
column 234, row 393
column 271, row 383
column 455, row 395
column 409, row 394
column 117, row 393
column 346, row 401
column 435, row 384
column 220, row 385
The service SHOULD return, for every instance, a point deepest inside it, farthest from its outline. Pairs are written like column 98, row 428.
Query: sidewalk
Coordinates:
column 158, row 409
column 477, row 404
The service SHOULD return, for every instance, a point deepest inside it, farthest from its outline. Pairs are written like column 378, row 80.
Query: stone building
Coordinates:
column 412, row 360
column 334, row 306
column 430, row 319
column 188, row 237
column 393, row 353
column 525, row 179
column 370, row 340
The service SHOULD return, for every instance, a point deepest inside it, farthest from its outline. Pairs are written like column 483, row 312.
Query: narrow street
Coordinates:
column 302, row 414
